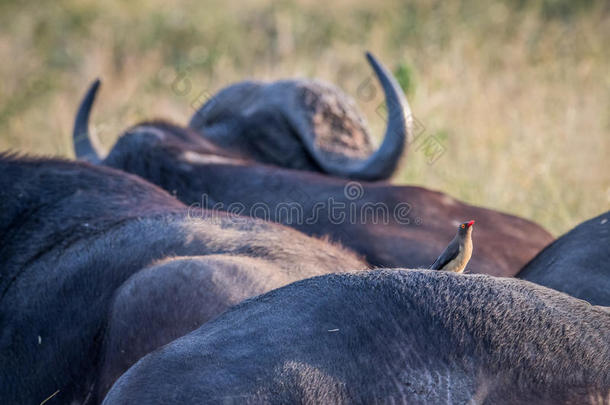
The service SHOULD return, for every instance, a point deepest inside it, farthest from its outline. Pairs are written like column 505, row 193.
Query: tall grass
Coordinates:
column 517, row 93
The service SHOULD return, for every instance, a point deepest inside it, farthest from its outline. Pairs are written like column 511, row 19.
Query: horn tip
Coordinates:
column 96, row 83
column 375, row 64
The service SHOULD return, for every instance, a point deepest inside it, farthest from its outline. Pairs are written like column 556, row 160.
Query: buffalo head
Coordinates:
column 298, row 124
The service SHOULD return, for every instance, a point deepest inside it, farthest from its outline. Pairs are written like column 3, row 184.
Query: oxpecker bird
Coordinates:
column 456, row 256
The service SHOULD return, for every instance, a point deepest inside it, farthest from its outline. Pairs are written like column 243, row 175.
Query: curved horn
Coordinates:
column 399, row 130
column 86, row 147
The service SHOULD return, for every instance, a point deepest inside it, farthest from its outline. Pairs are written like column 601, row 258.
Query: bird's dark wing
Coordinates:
column 448, row 255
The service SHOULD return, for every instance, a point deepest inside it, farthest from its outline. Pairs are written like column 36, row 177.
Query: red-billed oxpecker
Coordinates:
column 456, row 256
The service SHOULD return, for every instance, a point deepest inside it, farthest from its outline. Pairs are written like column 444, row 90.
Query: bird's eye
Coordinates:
column 463, row 226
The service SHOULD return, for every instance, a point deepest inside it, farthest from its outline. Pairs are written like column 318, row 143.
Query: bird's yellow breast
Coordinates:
column 458, row 264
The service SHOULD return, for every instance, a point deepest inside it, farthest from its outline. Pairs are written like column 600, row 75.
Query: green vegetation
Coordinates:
column 516, row 92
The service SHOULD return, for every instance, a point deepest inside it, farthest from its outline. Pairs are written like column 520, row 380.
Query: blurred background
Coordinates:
column 516, row 93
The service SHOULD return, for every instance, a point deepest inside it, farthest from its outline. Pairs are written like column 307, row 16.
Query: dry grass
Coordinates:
column 518, row 95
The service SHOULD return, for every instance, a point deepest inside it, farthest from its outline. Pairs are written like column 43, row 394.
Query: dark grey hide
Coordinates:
column 97, row 267
column 578, row 263
column 386, row 337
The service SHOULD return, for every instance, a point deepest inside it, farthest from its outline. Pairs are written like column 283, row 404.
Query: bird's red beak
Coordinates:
column 471, row 223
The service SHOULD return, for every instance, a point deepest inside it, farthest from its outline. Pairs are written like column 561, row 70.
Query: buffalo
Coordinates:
column 391, row 226
column 89, row 255
column 305, row 124
column 399, row 336
column 578, row 263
